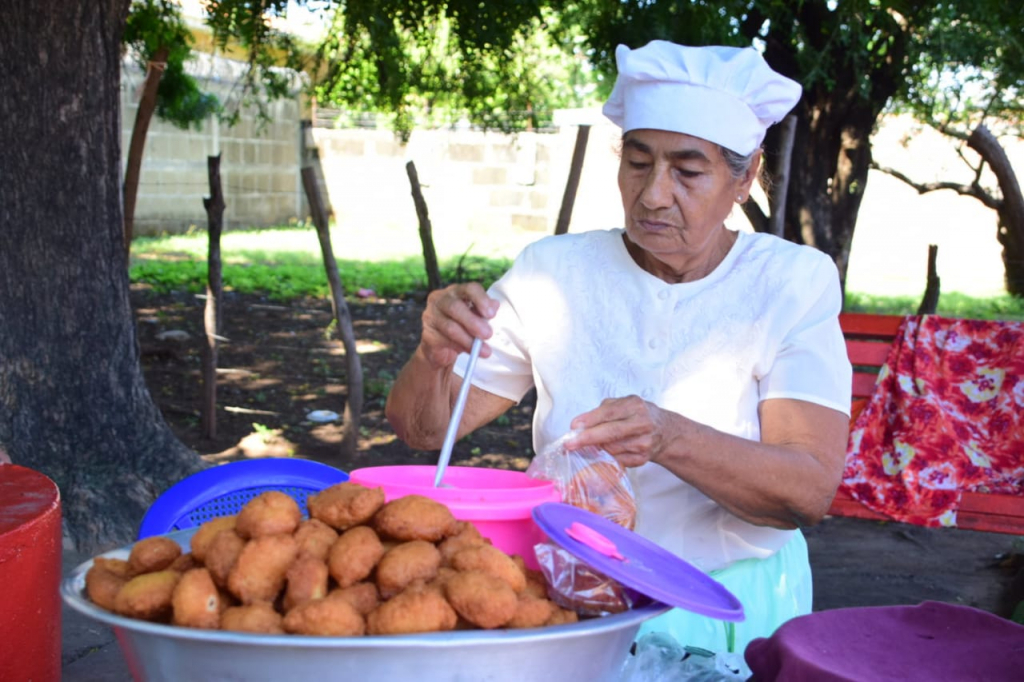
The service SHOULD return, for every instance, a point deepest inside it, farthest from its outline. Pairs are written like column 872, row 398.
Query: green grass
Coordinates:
column 953, row 304
column 285, row 263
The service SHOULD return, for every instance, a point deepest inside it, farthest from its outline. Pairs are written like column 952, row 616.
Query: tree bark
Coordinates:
column 73, row 400
column 354, row 404
column 143, row 116
column 426, row 232
column 579, row 152
column 780, row 177
column 832, row 141
column 1010, row 210
column 831, row 159
column 214, row 205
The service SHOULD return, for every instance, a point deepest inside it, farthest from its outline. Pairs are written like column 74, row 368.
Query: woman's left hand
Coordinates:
column 630, row 429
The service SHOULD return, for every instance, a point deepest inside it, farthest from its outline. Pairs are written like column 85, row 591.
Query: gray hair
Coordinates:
column 738, row 163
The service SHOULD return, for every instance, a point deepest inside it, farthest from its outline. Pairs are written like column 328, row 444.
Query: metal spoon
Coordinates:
column 453, row 424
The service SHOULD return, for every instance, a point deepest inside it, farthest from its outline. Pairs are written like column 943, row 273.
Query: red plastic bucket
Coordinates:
column 30, row 573
column 498, row 502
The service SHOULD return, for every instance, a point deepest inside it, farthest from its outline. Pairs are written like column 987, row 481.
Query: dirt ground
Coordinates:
column 280, row 362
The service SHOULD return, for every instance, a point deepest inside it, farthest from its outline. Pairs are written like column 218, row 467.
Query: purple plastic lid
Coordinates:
column 635, row 561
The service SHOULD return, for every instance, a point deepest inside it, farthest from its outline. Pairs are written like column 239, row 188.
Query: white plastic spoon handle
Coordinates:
column 453, row 424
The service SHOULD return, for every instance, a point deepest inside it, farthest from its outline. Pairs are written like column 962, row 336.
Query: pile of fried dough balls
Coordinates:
column 356, row 566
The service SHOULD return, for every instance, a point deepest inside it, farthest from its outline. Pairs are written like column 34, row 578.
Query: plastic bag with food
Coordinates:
column 591, row 479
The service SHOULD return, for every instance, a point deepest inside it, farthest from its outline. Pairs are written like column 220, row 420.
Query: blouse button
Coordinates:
column 663, row 294
column 647, row 393
column 653, row 344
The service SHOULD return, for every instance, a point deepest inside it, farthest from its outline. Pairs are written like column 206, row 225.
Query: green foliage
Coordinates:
column 273, row 57
column 971, row 69
column 1018, row 613
column 958, row 57
column 153, row 24
column 499, row 65
column 265, row 433
column 378, row 387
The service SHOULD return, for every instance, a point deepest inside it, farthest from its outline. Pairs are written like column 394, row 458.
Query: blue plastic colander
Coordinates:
column 223, row 490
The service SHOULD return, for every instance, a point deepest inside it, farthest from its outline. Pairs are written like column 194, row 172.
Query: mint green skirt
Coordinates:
column 771, row 590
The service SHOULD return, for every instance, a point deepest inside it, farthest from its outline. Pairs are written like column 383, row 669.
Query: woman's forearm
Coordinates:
column 419, row 403
column 786, row 480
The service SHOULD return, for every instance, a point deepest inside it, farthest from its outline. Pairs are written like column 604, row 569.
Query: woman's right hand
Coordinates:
column 453, row 317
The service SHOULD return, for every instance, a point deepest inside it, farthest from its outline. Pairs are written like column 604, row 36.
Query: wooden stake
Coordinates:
column 573, row 183
column 426, row 233
column 214, row 205
column 930, row 301
column 354, row 405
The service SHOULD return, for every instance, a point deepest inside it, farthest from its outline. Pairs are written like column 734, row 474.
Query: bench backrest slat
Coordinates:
column 868, row 340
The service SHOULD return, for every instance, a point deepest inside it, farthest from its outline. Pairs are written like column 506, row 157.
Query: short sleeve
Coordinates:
column 508, row 371
column 811, row 362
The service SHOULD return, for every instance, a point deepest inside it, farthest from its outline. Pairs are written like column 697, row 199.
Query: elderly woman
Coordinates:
column 708, row 361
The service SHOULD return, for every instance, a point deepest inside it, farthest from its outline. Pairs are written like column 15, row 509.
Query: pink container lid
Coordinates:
column 470, row 492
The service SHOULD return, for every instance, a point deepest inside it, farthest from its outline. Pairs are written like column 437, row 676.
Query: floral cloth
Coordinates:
column 947, row 416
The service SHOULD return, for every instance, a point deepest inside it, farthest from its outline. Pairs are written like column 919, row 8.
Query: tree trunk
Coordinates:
column 143, row 115
column 832, row 141
column 73, row 399
column 830, row 162
column 1010, row 210
column 780, row 177
column 343, row 320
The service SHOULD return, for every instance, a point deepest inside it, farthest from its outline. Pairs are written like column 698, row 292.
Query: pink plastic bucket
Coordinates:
column 498, row 502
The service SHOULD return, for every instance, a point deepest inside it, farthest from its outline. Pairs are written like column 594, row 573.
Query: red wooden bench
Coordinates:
column 868, row 339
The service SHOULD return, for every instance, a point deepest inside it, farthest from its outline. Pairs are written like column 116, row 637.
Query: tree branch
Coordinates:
column 972, row 190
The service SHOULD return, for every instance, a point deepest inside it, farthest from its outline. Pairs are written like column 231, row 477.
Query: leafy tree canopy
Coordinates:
column 153, row 24
column 500, row 65
column 944, row 59
column 507, row 64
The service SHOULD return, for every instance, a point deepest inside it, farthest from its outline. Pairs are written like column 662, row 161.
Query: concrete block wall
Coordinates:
column 259, row 164
column 473, row 182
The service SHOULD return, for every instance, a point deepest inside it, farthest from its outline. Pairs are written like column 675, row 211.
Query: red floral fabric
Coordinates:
column 947, row 416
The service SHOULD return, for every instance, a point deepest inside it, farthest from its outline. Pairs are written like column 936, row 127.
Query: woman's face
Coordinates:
column 677, row 192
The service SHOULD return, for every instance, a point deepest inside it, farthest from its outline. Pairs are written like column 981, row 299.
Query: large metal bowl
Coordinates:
column 587, row 651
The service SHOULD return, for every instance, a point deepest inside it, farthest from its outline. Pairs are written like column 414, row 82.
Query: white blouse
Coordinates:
column 581, row 321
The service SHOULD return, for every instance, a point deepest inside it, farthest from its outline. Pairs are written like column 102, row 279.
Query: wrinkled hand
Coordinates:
column 630, row 429
column 453, row 317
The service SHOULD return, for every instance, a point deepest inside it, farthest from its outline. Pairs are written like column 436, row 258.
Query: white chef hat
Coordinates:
column 726, row 95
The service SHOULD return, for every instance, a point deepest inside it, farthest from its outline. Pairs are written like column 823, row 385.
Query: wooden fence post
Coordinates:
column 930, row 301
column 426, row 233
column 573, row 183
column 354, row 404
column 214, row 205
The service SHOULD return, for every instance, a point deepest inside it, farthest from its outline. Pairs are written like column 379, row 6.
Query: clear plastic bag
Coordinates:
column 588, row 478
column 591, row 479
column 658, row 657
